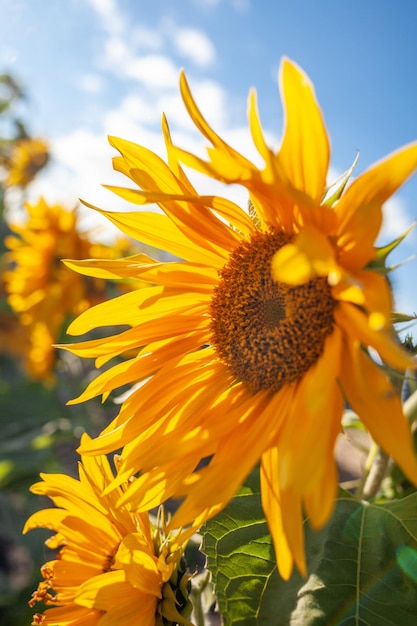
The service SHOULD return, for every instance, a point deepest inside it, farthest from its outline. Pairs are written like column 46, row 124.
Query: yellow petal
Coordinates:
column 308, row 435
column 359, row 209
column 140, row 566
column 271, row 504
column 223, row 156
column 159, row 231
column 236, row 456
column 370, row 291
column 128, row 267
column 293, row 527
column 304, row 153
column 71, row 614
column 320, row 501
column 310, row 255
column 136, row 307
column 356, row 326
column 373, row 398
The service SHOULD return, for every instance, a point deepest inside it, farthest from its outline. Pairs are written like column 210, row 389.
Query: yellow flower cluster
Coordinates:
column 41, row 290
column 25, row 159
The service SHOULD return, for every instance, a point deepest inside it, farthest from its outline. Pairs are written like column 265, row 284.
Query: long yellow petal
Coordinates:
column 359, row 209
column 305, row 134
column 356, row 325
column 373, row 398
column 237, row 455
column 271, row 504
column 138, row 306
column 159, row 231
column 129, row 267
column 308, row 435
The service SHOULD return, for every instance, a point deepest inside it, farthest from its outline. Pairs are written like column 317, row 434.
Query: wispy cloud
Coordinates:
column 108, row 11
column 396, row 221
column 90, row 83
column 194, row 45
column 241, row 6
column 154, row 70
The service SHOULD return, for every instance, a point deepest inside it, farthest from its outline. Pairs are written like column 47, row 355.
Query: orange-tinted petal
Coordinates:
column 359, row 209
column 271, row 504
column 159, row 231
column 373, row 398
column 356, row 325
column 369, row 290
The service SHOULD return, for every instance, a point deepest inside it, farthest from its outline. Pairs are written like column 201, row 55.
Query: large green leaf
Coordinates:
column 354, row 577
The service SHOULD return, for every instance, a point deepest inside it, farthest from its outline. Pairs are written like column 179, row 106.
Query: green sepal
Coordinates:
column 401, row 318
column 338, row 186
column 378, row 263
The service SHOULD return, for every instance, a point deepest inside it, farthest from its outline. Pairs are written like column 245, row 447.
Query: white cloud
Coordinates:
column 154, row 70
column 134, row 108
column 207, row 3
column 146, row 37
column 110, row 15
column 241, row 6
column 396, row 221
column 211, row 99
column 90, row 83
column 194, row 45
column 116, row 54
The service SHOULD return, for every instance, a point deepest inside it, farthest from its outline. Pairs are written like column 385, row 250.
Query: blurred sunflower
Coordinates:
column 248, row 347
column 113, row 567
column 24, row 159
column 41, row 290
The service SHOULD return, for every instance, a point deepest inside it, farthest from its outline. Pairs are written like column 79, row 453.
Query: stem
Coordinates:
column 196, row 596
column 368, row 466
column 198, row 614
column 376, row 474
column 410, row 410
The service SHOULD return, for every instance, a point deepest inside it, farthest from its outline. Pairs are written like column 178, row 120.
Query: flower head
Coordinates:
column 25, row 159
column 248, row 347
column 41, row 290
column 112, row 567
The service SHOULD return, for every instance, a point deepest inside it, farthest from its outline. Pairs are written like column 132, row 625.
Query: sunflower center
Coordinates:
column 268, row 333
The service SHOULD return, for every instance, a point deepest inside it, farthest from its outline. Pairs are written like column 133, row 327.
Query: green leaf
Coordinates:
column 354, row 575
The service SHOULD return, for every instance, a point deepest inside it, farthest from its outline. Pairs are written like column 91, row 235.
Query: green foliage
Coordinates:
column 359, row 566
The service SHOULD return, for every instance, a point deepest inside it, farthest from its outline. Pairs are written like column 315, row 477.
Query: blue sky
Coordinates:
column 98, row 67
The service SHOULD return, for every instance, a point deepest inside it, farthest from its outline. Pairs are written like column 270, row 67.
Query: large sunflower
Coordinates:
column 113, row 567
column 248, row 347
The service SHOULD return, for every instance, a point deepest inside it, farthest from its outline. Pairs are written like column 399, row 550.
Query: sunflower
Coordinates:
column 250, row 344
column 24, row 160
column 41, row 290
column 113, row 566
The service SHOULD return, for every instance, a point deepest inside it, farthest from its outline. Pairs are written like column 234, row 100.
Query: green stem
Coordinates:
column 410, row 410
column 368, row 465
column 196, row 597
column 377, row 473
